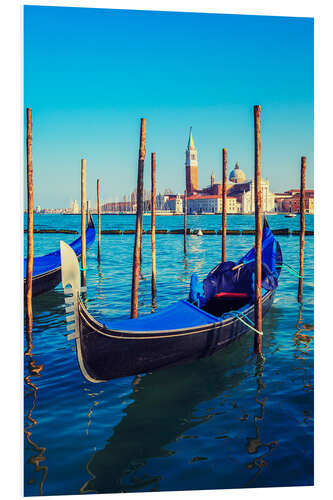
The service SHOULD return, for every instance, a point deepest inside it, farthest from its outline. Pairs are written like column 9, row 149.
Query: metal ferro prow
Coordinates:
column 70, row 275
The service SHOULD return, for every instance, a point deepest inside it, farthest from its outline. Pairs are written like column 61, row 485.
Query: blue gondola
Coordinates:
column 46, row 273
column 216, row 313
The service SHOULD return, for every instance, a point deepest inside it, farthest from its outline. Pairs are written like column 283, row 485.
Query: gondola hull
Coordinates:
column 104, row 354
column 179, row 333
column 45, row 282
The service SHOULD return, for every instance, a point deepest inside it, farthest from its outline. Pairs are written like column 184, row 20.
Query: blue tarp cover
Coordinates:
column 226, row 277
column 268, row 250
column 52, row 260
column 182, row 314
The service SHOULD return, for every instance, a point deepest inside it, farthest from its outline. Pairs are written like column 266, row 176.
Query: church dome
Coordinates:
column 237, row 175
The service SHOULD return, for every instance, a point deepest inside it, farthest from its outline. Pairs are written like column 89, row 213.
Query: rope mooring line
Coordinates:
column 290, row 269
column 238, row 315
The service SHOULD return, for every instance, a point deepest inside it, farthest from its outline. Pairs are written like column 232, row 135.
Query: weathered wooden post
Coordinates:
column 153, row 222
column 185, row 219
column 259, row 229
column 224, row 206
column 141, row 223
column 99, row 224
column 138, row 231
column 83, row 222
column 30, row 235
column 302, row 230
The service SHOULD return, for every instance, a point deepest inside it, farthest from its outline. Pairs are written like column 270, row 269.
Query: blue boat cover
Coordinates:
column 227, row 277
column 52, row 260
column 268, row 250
column 181, row 313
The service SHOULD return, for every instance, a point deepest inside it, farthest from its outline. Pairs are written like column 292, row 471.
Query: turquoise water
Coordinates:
column 221, row 422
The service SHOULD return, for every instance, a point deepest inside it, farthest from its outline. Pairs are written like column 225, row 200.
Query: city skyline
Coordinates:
column 121, row 197
column 96, row 83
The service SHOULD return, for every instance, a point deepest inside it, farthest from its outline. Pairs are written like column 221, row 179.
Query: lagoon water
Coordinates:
column 220, row 422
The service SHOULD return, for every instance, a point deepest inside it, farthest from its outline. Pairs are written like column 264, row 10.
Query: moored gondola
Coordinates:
column 215, row 314
column 46, row 273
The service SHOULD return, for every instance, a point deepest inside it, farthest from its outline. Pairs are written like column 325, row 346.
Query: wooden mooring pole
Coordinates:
column 185, row 219
column 153, row 222
column 259, row 230
column 30, row 236
column 99, row 224
column 138, row 230
column 83, row 222
column 224, row 206
column 302, row 229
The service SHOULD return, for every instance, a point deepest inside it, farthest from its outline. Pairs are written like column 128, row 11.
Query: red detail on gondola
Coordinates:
column 232, row 294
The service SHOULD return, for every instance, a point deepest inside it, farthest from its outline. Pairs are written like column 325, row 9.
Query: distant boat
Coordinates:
column 200, row 233
column 290, row 215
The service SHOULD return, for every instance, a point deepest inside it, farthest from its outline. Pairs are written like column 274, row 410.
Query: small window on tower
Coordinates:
column 192, row 156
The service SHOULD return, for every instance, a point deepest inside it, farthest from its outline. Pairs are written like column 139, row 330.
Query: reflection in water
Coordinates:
column 100, row 293
column 287, row 414
column 184, row 275
column 302, row 341
column 93, row 405
column 255, row 443
column 34, row 371
column 153, row 303
column 164, row 408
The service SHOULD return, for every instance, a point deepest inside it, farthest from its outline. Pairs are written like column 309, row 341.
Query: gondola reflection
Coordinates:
column 156, row 412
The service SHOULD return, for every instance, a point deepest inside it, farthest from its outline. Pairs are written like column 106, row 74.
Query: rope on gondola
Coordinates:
column 290, row 269
column 238, row 315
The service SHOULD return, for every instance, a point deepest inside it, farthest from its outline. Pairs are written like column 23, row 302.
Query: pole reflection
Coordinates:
column 254, row 443
column 302, row 339
column 34, row 370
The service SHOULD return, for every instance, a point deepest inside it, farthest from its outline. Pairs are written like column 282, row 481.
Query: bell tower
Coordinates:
column 191, row 165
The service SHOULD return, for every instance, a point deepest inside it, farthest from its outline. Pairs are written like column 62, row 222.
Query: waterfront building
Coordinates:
column 198, row 204
column 74, row 208
column 160, row 202
column 248, row 198
column 175, row 203
column 117, row 206
column 289, row 201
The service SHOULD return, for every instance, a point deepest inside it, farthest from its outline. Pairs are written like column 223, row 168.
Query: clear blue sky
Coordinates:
column 91, row 74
